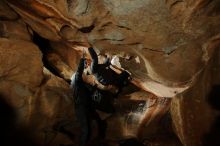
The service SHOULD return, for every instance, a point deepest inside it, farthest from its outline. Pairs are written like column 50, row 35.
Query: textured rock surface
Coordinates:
column 169, row 47
column 6, row 13
column 39, row 101
column 52, row 105
column 148, row 30
column 14, row 54
column 195, row 113
column 31, row 101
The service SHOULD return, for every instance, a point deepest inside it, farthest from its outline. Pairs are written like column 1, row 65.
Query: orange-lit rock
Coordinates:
column 169, row 47
column 161, row 39
column 20, row 62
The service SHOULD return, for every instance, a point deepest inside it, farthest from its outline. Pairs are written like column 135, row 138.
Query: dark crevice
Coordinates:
column 212, row 8
column 154, row 50
column 102, row 28
column 87, row 29
column 136, row 43
column 108, row 39
column 2, row 18
column 123, row 27
column 119, row 40
column 205, row 3
column 2, row 32
column 164, row 51
column 175, row 3
column 214, row 97
column 44, row 46
column 169, row 52
column 106, row 24
column 212, row 137
column 131, row 44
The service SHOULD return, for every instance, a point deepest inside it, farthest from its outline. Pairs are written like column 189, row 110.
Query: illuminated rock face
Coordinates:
column 172, row 40
column 170, row 48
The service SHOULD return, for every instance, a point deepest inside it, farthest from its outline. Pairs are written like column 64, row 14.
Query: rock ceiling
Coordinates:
column 170, row 47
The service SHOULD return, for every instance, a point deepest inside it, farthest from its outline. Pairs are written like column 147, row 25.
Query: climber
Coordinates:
column 105, row 75
column 83, row 105
column 102, row 96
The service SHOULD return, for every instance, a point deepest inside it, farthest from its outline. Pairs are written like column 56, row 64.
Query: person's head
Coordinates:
column 87, row 63
column 102, row 58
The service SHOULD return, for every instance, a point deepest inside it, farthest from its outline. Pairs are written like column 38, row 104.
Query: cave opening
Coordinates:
column 45, row 47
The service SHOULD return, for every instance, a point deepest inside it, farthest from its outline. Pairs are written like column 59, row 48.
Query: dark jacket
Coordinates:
column 81, row 92
column 103, row 73
column 90, row 96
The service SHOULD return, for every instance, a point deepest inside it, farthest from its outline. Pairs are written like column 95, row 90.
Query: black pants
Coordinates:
column 85, row 116
column 103, row 101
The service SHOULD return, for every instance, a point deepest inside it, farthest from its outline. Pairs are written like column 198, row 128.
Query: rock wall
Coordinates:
column 170, row 47
column 158, row 33
column 194, row 113
column 32, row 100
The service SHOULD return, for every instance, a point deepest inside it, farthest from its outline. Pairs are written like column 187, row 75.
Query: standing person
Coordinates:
column 83, row 105
column 105, row 75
